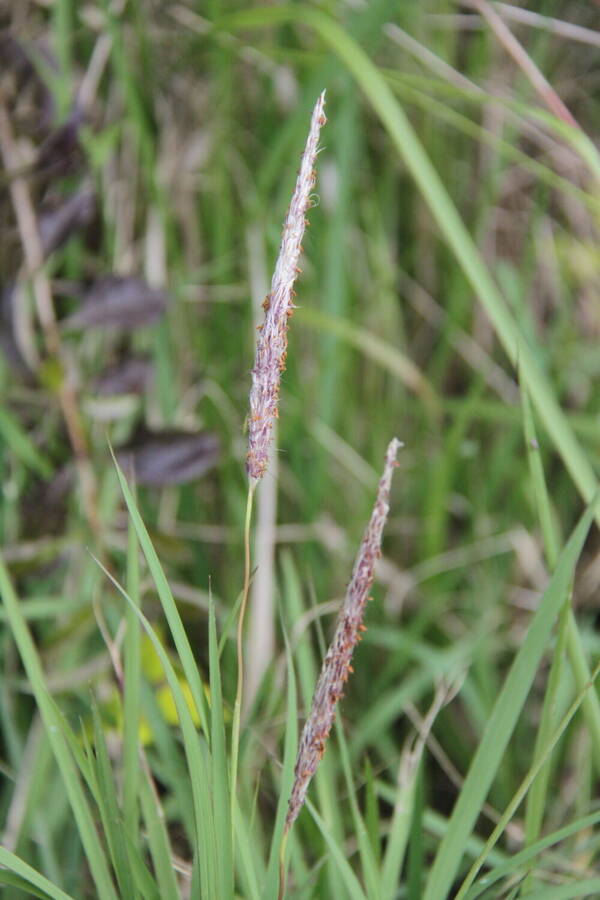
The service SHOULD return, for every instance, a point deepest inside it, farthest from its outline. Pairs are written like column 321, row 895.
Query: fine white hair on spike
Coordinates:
column 336, row 665
column 271, row 346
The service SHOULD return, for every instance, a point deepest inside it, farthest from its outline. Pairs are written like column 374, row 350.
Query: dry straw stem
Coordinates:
column 336, row 666
column 271, row 345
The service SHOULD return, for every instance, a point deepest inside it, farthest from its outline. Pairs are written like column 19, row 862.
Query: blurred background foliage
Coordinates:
column 149, row 153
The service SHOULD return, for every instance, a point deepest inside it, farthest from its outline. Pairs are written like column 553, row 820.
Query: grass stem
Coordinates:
column 237, row 709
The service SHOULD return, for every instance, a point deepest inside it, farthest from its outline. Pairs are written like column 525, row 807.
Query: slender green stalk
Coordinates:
column 237, row 709
column 282, row 866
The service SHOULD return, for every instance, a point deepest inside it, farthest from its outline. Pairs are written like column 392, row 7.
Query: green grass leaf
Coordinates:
column 220, row 777
column 290, row 748
column 198, row 761
column 529, row 854
column 375, row 88
column 27, row 878
column 54, row 726
column 158, row 839
column 16, row 439
column 169, row 606
column 503, row 719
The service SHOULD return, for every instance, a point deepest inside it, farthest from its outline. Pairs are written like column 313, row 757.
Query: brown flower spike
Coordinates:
column 271, row 345
column 336, row 666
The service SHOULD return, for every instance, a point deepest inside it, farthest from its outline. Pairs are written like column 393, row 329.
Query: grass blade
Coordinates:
column 338, row 856
column 131, row 699
column 13, row 436
column 93, row 848
column 287, row 776
column 220, row 780
column 28, row 876
column 504, row 717
column 197, row 755
column 107, row 802
column 169, row 606
column 376, row 89
column 524, row 787
column 158, row 840
column 575, row 890
column 529, row 853
column 371, row 874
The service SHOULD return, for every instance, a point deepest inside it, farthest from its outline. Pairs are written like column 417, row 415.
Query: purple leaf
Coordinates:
column 119, row 303
column 158, row 459
column 60, row 153
column 129, row 376
column 58, row 224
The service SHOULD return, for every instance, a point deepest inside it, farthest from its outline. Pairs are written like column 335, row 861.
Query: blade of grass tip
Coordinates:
column 277, row 853
column 81, row 810
column 524, row 787
column 197, row 756
column 109, row 809
column 575, row 649
column 30, row 877
column 227, row 626
column 168, row 604
column 504, row 717
column 220, row 780
column 158, row 839
column 378, row 92
column 131, row 699
column 518, row 860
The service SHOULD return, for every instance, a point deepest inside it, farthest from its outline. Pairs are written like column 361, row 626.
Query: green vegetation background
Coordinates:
column 193, row 119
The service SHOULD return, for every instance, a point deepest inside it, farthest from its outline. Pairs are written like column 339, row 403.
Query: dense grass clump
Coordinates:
column 166, row 613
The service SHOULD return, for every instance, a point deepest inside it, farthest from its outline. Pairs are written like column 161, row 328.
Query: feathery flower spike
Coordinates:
column 336, row 666
column 271, row 345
